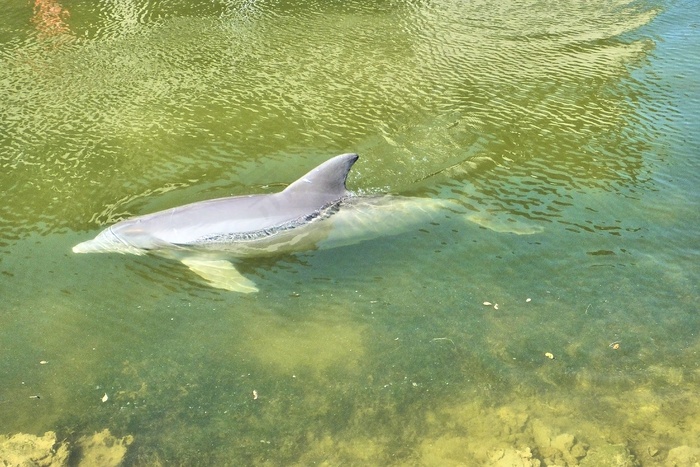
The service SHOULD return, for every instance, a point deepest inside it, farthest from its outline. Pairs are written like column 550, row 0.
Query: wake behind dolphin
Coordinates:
column 316, row 211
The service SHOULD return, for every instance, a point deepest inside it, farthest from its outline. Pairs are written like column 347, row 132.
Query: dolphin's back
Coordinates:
column 242, row 217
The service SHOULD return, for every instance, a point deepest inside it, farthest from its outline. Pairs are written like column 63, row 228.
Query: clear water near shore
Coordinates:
column 568, row 133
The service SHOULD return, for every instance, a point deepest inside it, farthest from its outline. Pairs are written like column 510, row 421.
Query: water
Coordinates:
column 580, row 120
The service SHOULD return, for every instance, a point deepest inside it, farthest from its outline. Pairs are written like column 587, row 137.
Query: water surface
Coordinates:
column 576, row 122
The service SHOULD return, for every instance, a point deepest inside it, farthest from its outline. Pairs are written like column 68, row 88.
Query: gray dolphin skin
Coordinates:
column 316, row 211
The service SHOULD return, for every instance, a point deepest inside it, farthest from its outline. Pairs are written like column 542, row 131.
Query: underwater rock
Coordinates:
column 610, row 455
column 562, row 449
column 513, row 458
column 102, row 449
column 683, row 456
column 24, row 450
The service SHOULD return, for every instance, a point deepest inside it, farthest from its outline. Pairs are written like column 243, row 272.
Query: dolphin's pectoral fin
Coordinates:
column 220, row 274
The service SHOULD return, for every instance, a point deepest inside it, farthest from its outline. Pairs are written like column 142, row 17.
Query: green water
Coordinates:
column 578, row 118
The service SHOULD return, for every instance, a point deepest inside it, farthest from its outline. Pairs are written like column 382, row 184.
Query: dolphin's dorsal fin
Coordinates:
column 328, row 178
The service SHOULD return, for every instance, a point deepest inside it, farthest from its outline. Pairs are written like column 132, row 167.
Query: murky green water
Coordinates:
column 579, row 119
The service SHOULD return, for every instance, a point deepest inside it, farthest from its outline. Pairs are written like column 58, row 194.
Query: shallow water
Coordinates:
column 576, row 126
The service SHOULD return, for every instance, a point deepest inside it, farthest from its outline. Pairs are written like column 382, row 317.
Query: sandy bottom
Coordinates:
column 541, row 433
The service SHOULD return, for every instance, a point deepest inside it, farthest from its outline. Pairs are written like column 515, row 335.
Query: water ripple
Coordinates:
column 137, row 97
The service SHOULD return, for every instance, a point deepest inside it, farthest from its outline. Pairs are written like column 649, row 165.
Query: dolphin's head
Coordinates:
column 107, row 241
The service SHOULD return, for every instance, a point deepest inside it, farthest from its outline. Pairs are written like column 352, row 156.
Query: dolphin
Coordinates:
column 316, row 211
